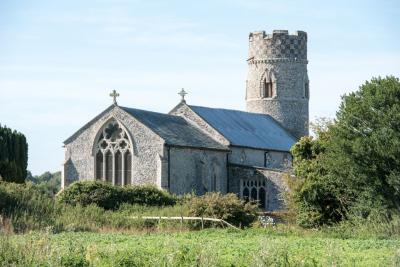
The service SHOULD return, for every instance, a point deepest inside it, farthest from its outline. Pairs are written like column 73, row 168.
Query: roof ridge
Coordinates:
column 229, row 109
column 149, row 111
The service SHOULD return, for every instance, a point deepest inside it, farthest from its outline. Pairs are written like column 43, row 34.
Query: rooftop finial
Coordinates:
column 114, row 95
column 182, row 93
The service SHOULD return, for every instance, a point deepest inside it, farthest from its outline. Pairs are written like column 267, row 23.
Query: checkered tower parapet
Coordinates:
column 278, row 45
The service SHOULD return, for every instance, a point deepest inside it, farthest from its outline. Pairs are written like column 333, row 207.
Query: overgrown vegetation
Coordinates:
column 351, row 169
column 13, row 155
column 108, row 196
column 93, row 206
column 48, row 182
column 227, row 207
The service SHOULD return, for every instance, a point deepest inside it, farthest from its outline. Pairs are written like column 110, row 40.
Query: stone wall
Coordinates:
column 147, row 150
column 275, row 183
column 197, row 170
column 257, row 157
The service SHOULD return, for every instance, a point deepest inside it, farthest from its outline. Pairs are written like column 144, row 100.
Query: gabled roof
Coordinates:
column 247, row 129
column 174, row 130
column 87, row 125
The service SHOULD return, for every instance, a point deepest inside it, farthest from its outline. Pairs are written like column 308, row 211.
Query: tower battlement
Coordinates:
column 278, row 45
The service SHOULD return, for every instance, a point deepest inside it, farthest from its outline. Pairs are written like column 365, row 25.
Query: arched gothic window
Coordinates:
column 267, row 88
column 254, row 189
column 268, row 84
column 113, row 162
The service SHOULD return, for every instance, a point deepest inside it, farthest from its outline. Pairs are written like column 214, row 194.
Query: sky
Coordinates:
column 59, row 60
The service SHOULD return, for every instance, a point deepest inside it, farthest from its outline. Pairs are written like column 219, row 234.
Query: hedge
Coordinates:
column 108, row 196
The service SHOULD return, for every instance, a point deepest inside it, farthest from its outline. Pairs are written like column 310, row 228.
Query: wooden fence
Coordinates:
column 201, row 219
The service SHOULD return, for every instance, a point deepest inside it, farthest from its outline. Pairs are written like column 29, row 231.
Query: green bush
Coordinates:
column 227, row 207
column 111, row 197
column 26, row 205
column 86, row 193
column 146, row 195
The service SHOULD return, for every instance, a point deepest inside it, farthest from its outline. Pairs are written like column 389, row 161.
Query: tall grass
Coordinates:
column 250, row 247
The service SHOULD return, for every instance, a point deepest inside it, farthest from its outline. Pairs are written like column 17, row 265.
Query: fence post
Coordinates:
column 202, row 223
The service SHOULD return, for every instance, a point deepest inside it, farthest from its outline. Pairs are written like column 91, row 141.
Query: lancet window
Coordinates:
column 267, row 87
column 268, row 84
column 113, row 150
column 254, row 190
column 306, row 90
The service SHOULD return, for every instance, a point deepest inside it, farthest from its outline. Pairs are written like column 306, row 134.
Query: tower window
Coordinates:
column 306, row 90
column 267, row 88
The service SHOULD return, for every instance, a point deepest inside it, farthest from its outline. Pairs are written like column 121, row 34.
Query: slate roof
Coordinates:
column 247, row 129
column 174, row 130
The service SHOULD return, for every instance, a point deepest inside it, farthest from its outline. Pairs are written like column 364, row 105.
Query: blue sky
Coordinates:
column 60, row 59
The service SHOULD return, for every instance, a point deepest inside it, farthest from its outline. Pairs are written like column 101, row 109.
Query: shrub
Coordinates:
column 227, row 207
column 111, row 197
column 86, row 193
column 26, row 205
column 146, row 195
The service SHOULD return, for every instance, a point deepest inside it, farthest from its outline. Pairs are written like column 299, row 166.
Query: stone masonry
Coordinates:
column 281, row 58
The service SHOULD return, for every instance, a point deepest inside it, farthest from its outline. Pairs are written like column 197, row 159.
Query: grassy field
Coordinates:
column 38, row 230
column 213, row 247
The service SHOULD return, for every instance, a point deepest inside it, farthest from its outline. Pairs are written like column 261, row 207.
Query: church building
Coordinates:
column 201, row 149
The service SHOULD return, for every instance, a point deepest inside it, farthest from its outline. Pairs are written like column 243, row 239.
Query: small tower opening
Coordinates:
column 267, row 88
column 306, row 90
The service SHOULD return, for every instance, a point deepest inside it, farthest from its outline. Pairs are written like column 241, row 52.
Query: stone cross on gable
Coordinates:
column 182, row 93
column 114, row 95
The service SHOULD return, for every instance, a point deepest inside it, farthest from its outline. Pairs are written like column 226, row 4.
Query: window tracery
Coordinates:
column 254, row 190
column 113, row 156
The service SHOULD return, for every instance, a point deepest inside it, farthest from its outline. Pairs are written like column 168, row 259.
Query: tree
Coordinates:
column 352, row 167
column 13, row 155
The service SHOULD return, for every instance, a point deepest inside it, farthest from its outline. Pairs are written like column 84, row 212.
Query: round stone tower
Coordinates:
column 277, row 82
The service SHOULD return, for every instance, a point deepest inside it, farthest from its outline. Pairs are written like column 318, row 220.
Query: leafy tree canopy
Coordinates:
column 352, row 166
